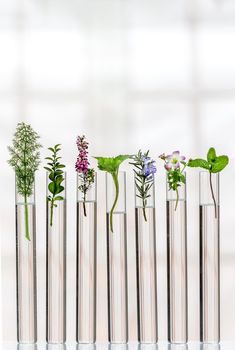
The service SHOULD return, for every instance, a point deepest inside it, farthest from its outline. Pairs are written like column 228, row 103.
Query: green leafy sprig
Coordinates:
column 25, row 160
column 87, row 179
column 175, row 165
column 214, row 164
column 144, row 176
column 56, row 175
column 111, row 165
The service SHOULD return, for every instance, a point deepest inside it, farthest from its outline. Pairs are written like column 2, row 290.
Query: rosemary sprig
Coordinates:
column 144, row 176
column 56, row 176
column 25, row 160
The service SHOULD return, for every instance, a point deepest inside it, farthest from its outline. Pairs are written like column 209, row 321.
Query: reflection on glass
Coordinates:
column 208, row 346
column 27, row 346
column 90, row 346
column 56, row 346
column 177, row 346
column 144, row 346
column 118, row 346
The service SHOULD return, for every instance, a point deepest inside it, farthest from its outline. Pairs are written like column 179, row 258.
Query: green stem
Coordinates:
column 51, row 212
column 144, row 213
column 212, row 193
column 115, row 179
column 84, row 204
column 143, row 199
column 177, row 198
column 26, row 215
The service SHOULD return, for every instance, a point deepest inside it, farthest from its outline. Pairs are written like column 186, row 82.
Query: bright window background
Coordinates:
column 129, row 74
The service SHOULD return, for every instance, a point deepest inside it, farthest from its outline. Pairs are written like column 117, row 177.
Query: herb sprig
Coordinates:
column 86, row 174
column 175, row 165
column 111, row 165
column 25, row 160
column 214, row 164
column 56, row 175
column 144, row 176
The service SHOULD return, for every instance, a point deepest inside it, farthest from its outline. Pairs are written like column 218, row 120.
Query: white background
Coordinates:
column 129, row 74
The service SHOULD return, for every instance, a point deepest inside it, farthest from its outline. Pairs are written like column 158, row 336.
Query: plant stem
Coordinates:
column 177, row 198
column 51, row 212
column 144, row 213
column 84, row 204
column 212, row 193
column 26, row 215
column 115, row 179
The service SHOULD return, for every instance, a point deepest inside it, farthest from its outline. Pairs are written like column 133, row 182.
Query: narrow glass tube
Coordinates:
column 177, row 266
column 86, row 263
column 26, row 280
column 209, row 257
column 117, row 261
column 56, row 269
column 146, row 267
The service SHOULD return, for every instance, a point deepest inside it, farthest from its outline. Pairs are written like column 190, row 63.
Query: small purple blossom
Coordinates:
column 173, row 160
column 82, row 163
column 149, row 166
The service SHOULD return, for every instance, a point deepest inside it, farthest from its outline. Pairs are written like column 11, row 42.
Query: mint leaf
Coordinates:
column 220, row 163
column 211, row 155
column 199, row 163
column 111, row 165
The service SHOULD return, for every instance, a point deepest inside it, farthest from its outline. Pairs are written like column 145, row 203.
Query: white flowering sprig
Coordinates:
column 175, row 165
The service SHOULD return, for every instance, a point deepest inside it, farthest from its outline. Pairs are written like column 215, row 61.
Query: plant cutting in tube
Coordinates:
column 25, row 159
column 56, row 175
column 145, row 168
column 86, row 174
column 214, row 164
column 175, row 165
column 111, row 165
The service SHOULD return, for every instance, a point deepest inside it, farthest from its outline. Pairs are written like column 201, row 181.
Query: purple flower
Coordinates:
column 149, row 167
column 82, row 163
column 173, row 160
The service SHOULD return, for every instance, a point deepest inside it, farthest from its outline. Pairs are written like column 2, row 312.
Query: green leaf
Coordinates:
column 59, row 189
column 52, row 176
column 51, row 149
column 211, row 155
column 48, row 169
column 58, row 198
column 220, row 163
column 60, row 166
column 49, row 158
column 52, row 187
column 199, row 163
column 57, row 146
column 111, row 165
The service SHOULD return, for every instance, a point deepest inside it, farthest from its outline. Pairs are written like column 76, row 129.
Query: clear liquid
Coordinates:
column 86, row 272
column 177, row 272
column 146, row 275
column 56, row 275
column 209, row 274
column 26, row 276
column 117, row 279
